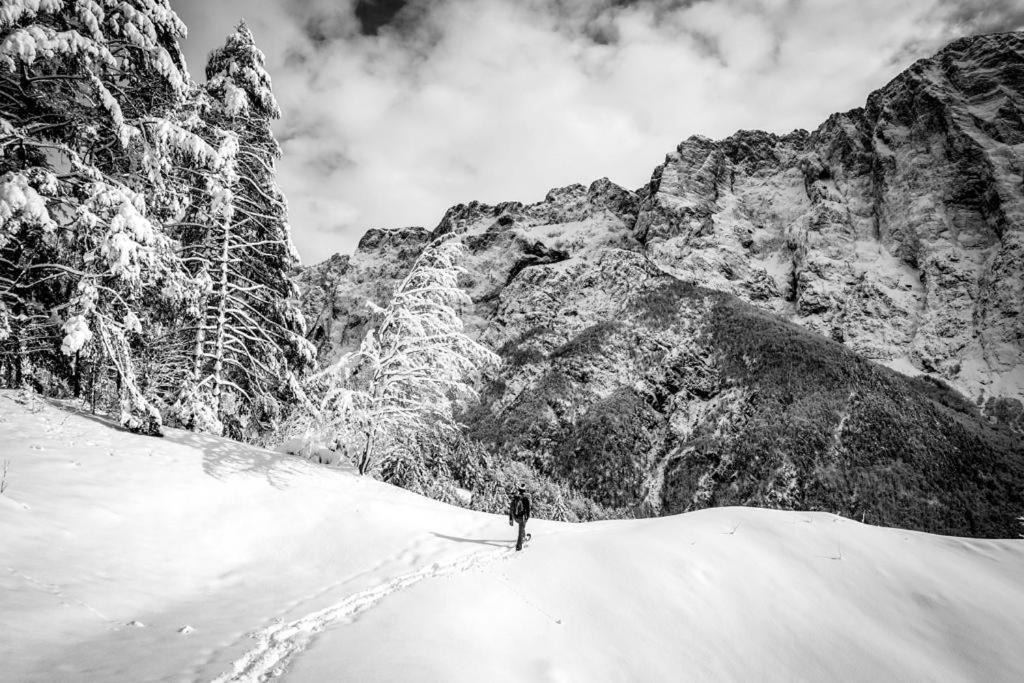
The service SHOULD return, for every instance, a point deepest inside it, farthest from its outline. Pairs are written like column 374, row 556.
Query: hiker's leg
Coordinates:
column 522, row 534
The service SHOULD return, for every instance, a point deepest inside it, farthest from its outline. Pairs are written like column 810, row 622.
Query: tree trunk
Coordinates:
column 222, row 306
column 92, row 387
column 76, row 378
column 366, row 459
column 19, row 365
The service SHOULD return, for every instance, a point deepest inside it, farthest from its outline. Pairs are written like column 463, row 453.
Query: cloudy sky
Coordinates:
column 396, row 109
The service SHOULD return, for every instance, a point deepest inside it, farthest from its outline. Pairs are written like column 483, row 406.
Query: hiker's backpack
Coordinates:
column 518, row 507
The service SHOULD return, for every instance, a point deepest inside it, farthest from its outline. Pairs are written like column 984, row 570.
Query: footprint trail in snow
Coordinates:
column 279, row 643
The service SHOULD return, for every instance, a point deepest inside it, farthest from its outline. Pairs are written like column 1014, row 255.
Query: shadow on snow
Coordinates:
column 499, row 542
column 222, row 457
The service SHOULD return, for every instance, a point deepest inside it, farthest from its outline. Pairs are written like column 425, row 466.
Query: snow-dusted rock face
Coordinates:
column 897, row 228
column 335, row 291
column 501, row 241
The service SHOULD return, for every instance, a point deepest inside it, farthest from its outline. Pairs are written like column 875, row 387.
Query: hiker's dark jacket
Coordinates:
column 524, row 508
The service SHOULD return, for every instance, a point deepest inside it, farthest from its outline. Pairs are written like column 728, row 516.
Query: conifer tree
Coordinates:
column 248, row 343
column 85, row 144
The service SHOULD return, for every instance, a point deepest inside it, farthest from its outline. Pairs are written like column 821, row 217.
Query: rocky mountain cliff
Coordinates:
column 651, row 395
column 635, row 373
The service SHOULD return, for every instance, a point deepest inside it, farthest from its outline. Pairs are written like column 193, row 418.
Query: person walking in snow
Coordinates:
column 519, row 511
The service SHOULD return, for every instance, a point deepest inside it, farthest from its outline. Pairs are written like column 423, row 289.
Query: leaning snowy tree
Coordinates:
column 409, row 373
column 84, row 87
column 248, row 343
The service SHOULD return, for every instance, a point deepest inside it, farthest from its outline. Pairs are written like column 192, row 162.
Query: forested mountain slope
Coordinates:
column 649, row 394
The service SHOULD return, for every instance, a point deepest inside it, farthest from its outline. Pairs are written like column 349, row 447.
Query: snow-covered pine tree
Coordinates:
column 85, row 86
column 408, row 375
column 194, row 156
column 248, row 341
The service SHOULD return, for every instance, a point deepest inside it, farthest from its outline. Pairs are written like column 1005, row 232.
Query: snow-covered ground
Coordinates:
column 131, row 558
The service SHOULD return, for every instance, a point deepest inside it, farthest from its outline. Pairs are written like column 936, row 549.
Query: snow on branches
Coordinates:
column 236, row 78
column 20, row 205
column 143, row 238
column 28, row 45
column 81, row 258
column 409, row 373
column 248, row 338
column 14, row 11
column 102, row 36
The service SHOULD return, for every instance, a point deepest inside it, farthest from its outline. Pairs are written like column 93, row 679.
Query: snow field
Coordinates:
column 728, row 594
column 129, row 558
column 102, row 528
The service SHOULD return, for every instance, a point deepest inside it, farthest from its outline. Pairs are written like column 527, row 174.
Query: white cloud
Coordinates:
column 502, row 99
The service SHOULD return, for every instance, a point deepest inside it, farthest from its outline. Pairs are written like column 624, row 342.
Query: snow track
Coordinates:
column 279, row 643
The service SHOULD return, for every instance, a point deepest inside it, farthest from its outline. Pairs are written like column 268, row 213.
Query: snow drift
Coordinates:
column 191, row 558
